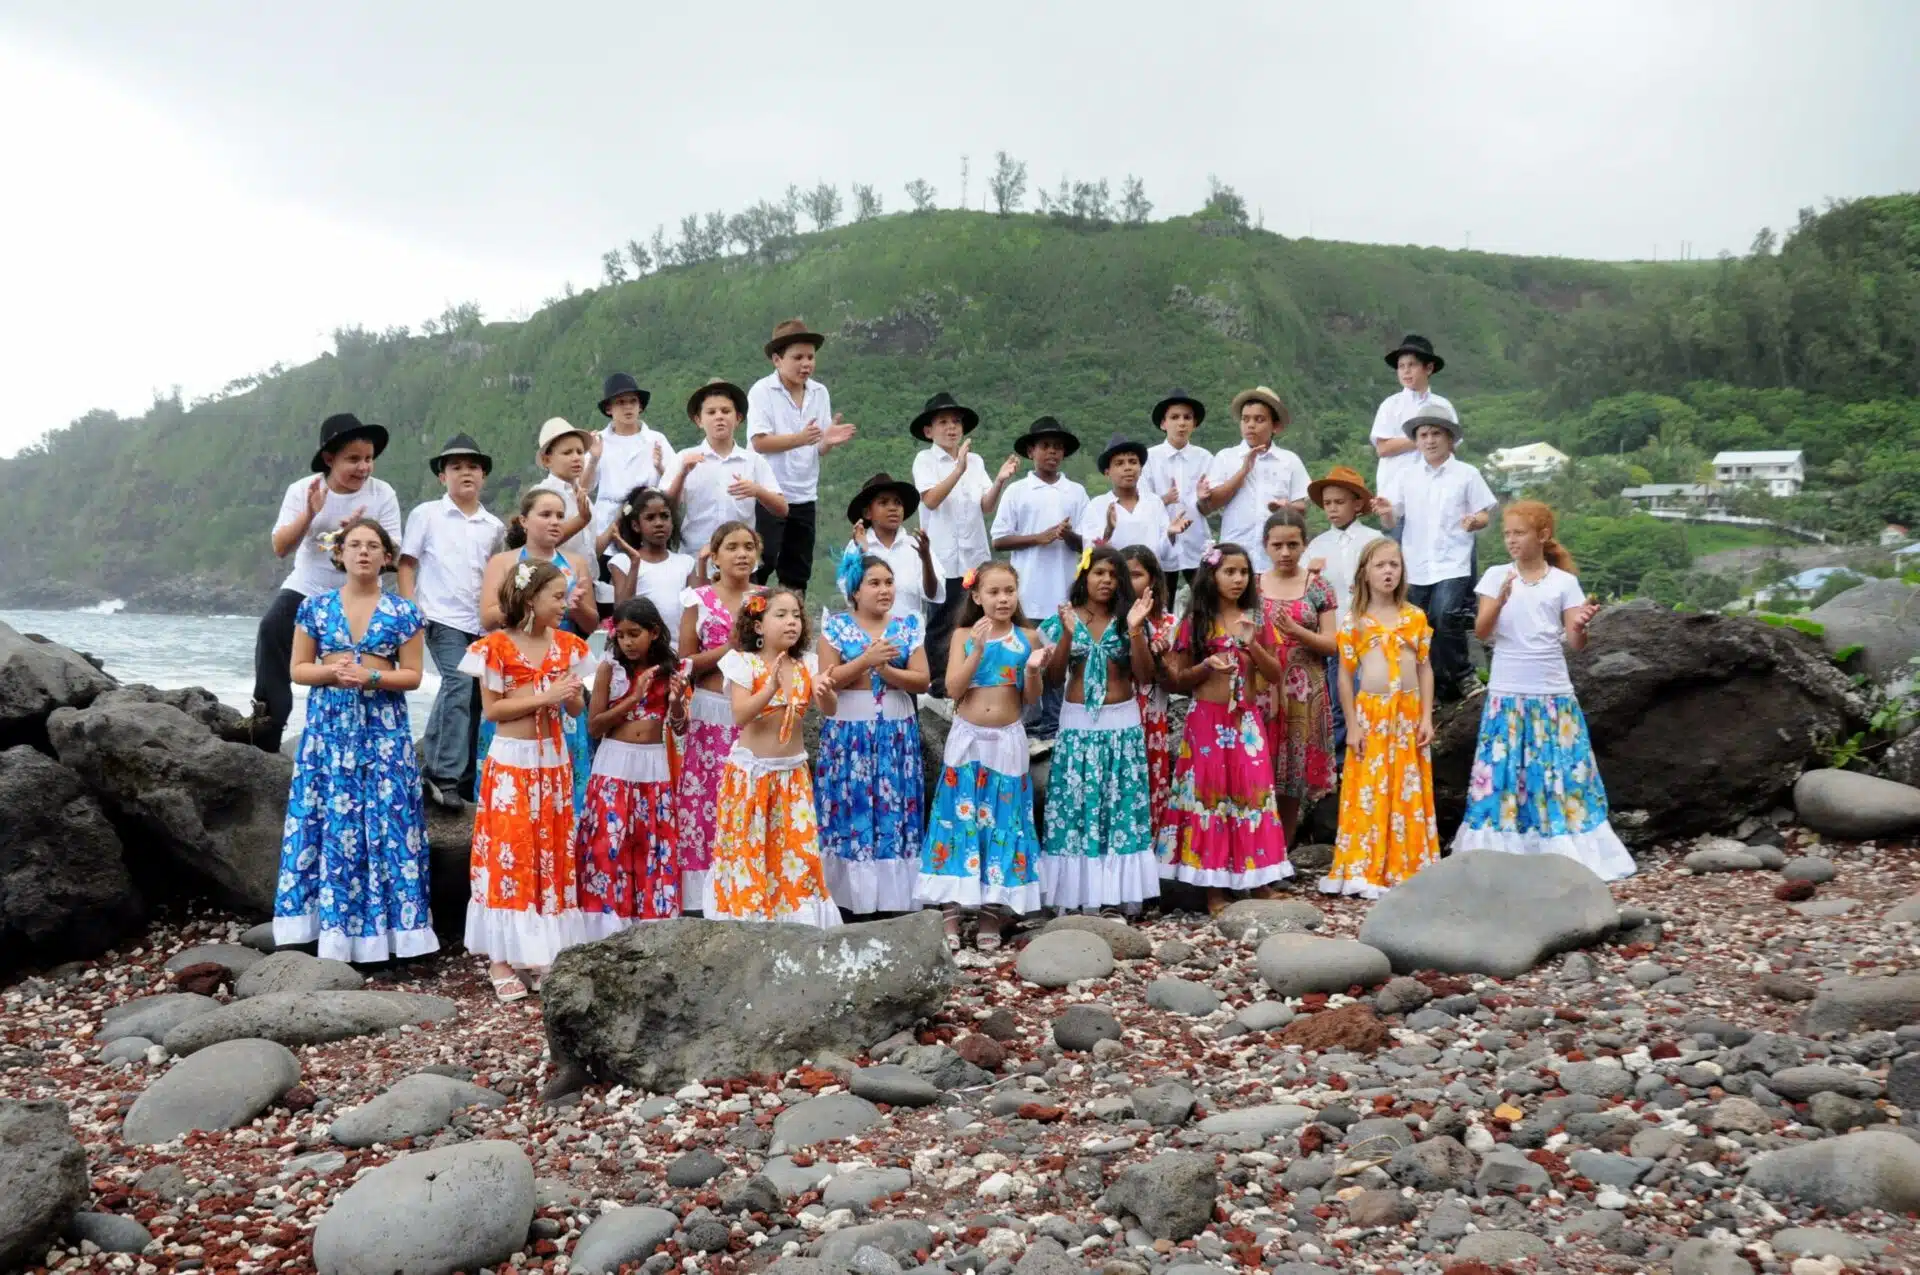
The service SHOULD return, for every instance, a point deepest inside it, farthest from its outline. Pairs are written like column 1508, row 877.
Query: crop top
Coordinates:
column 653, row 705
column 1003, row 662
column 744, row 668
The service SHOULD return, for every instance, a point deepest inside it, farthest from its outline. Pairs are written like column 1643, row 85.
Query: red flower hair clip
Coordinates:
column 756, row 602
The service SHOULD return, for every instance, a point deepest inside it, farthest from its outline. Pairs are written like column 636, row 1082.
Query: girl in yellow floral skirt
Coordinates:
column 1387, row 829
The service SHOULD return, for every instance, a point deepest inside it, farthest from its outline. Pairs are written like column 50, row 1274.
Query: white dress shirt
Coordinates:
column 451, row 549
column 1391, row 422
column 1339, row 548
column 1146, row 524
column 626, row 462
column 909, row 581
column 1277, row 475
column 313, row 570
column 958, row 528
column 1029, row 507
column 704, row 501
column 1183, row 468
column 660, row 583
column 580, row 543
column 770, row 410
column 1430, row 501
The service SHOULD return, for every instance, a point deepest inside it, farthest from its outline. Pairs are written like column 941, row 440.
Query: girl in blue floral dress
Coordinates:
column 1535, row 786
column 353, row 857
column 980, row 854
column 869, row 784
column 1099, row 847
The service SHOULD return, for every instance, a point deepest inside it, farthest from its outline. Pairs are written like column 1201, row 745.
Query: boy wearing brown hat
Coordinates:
column 1335, row 554
column 791, row 421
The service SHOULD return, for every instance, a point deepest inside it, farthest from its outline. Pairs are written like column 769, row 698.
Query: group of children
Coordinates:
column 671, row 776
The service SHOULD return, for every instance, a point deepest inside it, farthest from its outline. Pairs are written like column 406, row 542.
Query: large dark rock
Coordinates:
column 196, row 702
column 1750, row 700
column 660, row 1005
column 210, row 810
column 36, row 677
column 1881, row 618
column 43, row 1179
column 1487, row 913
column 449, row 869
column 65, row 892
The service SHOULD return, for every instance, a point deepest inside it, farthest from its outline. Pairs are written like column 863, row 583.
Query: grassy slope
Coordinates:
column 1017, row 316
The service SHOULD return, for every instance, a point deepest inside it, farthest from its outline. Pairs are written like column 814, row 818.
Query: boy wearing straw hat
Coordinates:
column 1335, row 554
column 562, row 450
column 1254, row 479
column 791, row 421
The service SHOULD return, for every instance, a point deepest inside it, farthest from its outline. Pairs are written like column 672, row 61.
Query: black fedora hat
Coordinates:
column 717, row 386
column 1418, row 346
column 621, row 383
column 1178, row 395
column 1045, row 427
column 457, row 446
column 943, row 402
column 342, row 428
column 879, row 485
column 1121, row 444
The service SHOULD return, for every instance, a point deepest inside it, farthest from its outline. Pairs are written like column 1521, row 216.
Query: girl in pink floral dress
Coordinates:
column 706, row 635
column 1303, row 615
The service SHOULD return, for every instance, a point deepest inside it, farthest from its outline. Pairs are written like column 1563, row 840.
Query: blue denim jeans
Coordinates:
column 1450, row 608
column 446, row 750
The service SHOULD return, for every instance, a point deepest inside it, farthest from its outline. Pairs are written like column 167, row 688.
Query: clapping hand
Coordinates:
column 1179, row 524
column 860, row 533
column 659, row 457
column 1583, row 616
column 1137, row 614
column 812, row 434
column 1506, row 585
column 316, row 496
column 1220, row 662
column 641, row 685
column 880, row 653
column 981, row 628
column 1067, row 618
column 565, row 690
column 921, row 543
column 596, row 446
column 1172, row 494
column 1039, row 658
column 352, row 674
column 688, row 459
column 741, row 488
column 1008, row 468
column 1243, row 629
column 1203, row 489
column 1113, row 518
column 839, row 432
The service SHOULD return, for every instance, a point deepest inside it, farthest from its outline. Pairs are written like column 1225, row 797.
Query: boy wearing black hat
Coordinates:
column 628, row 453
column 956, row 500
column 878, row 512
column 1125, row 515
column 1034, row 527
column 346, row 489
column 443, row 558
column 791, row 421
column 1414, row 362
column 1173, row 473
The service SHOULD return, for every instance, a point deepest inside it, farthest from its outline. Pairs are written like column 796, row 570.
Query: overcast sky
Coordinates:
column 196, row 189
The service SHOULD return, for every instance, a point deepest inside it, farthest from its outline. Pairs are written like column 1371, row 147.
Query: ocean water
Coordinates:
column 167, row 651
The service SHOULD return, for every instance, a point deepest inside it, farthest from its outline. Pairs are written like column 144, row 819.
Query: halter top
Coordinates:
column 1003, row 662
column 653, row 705
column 744, row 668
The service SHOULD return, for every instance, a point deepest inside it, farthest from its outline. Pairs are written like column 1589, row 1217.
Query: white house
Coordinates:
column 1779, row 473
column 1892, row 534
column 1531, row 462
column 1674, row 497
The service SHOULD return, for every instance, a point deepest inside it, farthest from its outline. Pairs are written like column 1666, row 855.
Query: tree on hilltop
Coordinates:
column 1225, row 204
column 614, row 267
column 866, row 203
column 823, row 206
column 921, row 194
column 1135, row 207
column 642, row 259
column 1008, row 183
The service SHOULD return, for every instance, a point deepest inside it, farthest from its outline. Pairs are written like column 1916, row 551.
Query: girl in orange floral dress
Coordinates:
column 1387, row 830
column 525, row 902
column 766, row 851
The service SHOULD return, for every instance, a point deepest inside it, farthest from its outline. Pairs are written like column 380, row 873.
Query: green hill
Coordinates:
column 1020, row 316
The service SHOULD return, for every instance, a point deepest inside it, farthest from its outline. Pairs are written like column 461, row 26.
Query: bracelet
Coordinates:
column 373, row 678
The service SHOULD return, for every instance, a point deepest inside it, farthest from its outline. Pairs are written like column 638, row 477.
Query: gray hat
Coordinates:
column 1435, row 413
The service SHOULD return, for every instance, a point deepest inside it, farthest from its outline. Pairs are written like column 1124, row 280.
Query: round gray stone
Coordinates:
column 1063, row 957
column 1472, row 913
column 1855, row 807
column 307, row 1018
column 1499, row 1247
column 153, row 1016
column 1822, row 1241
column 1702, row 862
column 236, row 958
column 1182, row 996
column 1126, row 943
column 1296, row 964
column 1598, row 1080
column 621, row 1236
column 109, row 1232
column 821, row 1118
column 696, row 1168
column 1163, row 1105
column 431, row 1213
column 126, row 1049
column 1264, row 1121
column 1814, row 869
column 220, row 1087
column 297, row 972
column 414, row 1107
column 1254, row 920
column 1083, row 1026
column 260, row 938
column 1265, row 1016
column 863, row 1187
column 1869, row 1170
column 894, row 1085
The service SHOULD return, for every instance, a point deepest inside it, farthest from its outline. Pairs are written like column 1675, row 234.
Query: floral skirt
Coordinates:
column 353, row 853
column 1387, row 831
column 1300, row 732
column 766, row 862
column 1159, row 736
column 980, row 849
column 1222, row 830
column 1535, row 788
column 1099, row 847
column 524, row 907
column 710, row 735
column 869, row 786
column 629, row 866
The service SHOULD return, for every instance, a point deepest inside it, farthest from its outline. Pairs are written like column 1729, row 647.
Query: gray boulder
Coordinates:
column 1472, row 913
column 109, row 1232
column 1084, row 1026
column 1499, row 1247
column 235, row 958
column 154, row 1016
column 297, row 972
column 1864, row 1003
column 1812, row 868
column 660, row 1005
column 220, row 1087
column 214, row 810
column 894, row 1085
column 37, row 677
column 1255, row 920
column 413, row 1107
column 1797, row 1084
column 622, row 1236
column 430, row 1213
column 1182, row 996
column 1126, row 943
column 1823, row 1241
column 897, row 1239
column 1881, row 618
column 1709, row 1257
column 1870, row 1170
column 1172, row 1194
column 1853, row 806
column 308, row 1018
column 1296, row 964
column 819, row 1119
column 1438, row 1164
column 43, row 1176
column 1265, row 1120
column 863, row 1187
column 1901, row 762
column 1163, row 1105
column 1702, row 862
column 1064, row 956
column 1506, row 1169
column 65, row 893
column 1599, row 1080
column 1905, row 912
column 941, row 1066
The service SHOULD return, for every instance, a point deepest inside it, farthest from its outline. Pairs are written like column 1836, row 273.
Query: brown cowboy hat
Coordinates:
column 1261, row 394
column 877, row 486
column 717, row 386
column 786, row 332
column 1340, row 476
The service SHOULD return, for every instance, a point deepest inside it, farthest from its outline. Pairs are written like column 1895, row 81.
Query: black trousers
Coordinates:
column 786, row 545
column 940, row 636
column 273, row 669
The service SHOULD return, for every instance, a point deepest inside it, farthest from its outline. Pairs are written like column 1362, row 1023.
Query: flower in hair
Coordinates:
column 522, row 575
column 330, row 540
column 1211, row 554
column 627, row 507
column 967, row 580
column 849, row 574
column 1086, row 560
column 756, row 602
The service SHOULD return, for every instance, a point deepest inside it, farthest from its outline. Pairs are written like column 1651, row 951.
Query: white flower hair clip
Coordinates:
column 522, row 574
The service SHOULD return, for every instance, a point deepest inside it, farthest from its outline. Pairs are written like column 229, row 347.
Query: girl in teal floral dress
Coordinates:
column 1099, row 845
